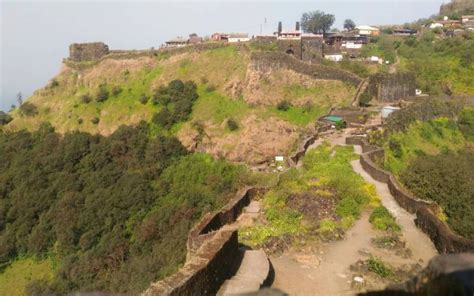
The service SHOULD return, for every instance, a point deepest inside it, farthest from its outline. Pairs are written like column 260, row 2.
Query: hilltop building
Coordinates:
column 231, row 37
column 367, row 31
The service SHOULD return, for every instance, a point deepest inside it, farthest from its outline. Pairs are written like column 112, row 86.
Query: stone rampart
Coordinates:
column 445, row 240
column 213, row 252
column 267, row 61
column 81, row 52
column 388, row 87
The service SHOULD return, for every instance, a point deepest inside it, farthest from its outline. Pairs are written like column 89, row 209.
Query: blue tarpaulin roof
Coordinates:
column 333, row 118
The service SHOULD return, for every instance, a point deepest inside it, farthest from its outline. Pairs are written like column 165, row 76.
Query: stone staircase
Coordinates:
column 251, row 275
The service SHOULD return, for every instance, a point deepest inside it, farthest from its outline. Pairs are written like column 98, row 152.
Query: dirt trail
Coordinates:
column 419, row 243
column 326, row 271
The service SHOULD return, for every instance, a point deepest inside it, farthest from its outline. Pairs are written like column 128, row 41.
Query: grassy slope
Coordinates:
column 431, row 138
column 219, row 68
column 15, row 278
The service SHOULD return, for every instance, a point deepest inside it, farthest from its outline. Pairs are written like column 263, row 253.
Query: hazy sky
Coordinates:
column 35, row 35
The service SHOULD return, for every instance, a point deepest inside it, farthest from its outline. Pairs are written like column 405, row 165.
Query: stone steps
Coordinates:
column 252, row 273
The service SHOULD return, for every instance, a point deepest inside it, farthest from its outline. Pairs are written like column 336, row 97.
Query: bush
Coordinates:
column 232, row 124
column 164, row 118
column 143, row 99
column 447, row 180
column 80, row 121
column 28, row 109
column 284, row 105
column 5, row 118
column 86, row 98
column 210, row 88
column 102, row 94
column 95, row 120
column 365, row 99
column 116, row 90
column 381, row 219
column 377, row 266
column 54, row 83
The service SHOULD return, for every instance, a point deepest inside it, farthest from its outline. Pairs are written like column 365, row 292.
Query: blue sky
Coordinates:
column 35, row 35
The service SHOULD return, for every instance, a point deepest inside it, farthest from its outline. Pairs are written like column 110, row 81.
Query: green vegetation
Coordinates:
column 283, row 105
column 5, row 118
column 177, row 99
column 377, row 266
column 232, row 124
column 15, row 278
column 113, row 211
column 446, row 179
column 422, row 138
column 326, row 173
column 28, row 109
column 381, row 219
column 433, row 157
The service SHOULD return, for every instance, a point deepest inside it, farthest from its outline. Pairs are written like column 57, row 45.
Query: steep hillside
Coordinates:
column 99, row 97
column 429, row 147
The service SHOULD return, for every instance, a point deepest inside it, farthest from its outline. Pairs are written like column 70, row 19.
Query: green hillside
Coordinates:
column 99, row 97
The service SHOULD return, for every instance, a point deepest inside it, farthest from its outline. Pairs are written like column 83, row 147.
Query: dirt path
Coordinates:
column 419, row 243
column 326, row 271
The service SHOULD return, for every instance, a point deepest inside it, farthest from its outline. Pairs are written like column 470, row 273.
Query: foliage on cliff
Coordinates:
column 429, row 148
column 446, row 179
column 113, row 211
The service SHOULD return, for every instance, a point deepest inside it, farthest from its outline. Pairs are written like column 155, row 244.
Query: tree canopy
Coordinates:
column 349, row 25
column 317, row 22
column 114, row 212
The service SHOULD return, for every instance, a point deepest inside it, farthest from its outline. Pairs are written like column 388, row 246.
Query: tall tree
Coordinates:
column 19, row 98
column 349, row 25
column 317, row 22
column 297, row 26
column 280, row 28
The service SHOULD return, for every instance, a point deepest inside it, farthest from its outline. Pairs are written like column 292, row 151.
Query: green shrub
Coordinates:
column 86, row 98
column 284, row 105
column 348, row 207
column 143, row 99
column 210, row 88
column 447, row 180
column 54, row 83
column 5, row 118
column 377, row 266
column 95, row 120
column 381, row 219
column 232, row 124
column 28, row 109
column 116, row 90
column 102, row 94
column 365, row 99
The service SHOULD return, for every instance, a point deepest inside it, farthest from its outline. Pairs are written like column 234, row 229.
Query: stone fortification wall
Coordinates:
column 80, row 52
column 387, row 87
column 312, row 49
column 213, row 252
column 267, row 61
column 445, row 240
